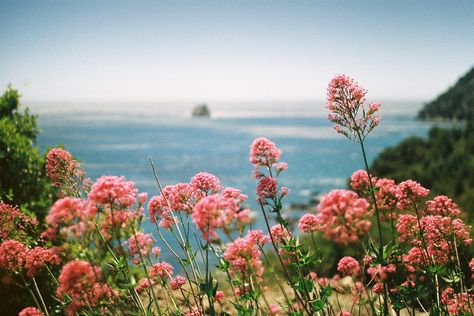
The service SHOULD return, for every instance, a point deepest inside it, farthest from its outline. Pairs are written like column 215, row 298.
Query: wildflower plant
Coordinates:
column 101, row 262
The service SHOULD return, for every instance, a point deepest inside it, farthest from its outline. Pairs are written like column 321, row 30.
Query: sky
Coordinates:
column 231, row 50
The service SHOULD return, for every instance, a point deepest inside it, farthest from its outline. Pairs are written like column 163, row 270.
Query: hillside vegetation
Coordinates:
column 455, row 103
column 444, row 162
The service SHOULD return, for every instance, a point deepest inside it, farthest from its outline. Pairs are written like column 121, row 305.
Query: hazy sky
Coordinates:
column 231, row 50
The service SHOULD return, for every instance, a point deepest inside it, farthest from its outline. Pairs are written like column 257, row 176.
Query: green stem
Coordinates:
column 40, row 296
column 377, row 216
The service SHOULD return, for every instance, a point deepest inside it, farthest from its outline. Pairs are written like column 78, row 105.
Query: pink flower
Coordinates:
column 244, row 254
column 380, row 273
column 12, row 255
column 116, row 221
column 76, row 276
column 263, row 152
column 457, row 303
column 378, row 288
column 385, row 197
column 79, row 281
column 274, row 309
column 384, row 194
column 257, row 237
column 37, row 258
column 345, row 102
column 220, row 296
column 70, row 214
column 438, row 235
column 266, row 189
column 156, row 251
column 178, row 282
column 213, row 212
column 30, row 311
column 309, row 223
column 348, row 266
column 344, row 313
column 409, row 192
column 114, row 191
column 162, row 270
column 205, row 183
column 234, row 196
column 244, row 216
column 278, row 233
column 343, row 216
column 442, row 205
column 158, row 210
column 140, row 243
column 471, row 265
column 360, row 181
column 144, row 284
column 193, row 312
column 279, row 167
column 60, row 166
column 14, row 223
column 175, row 198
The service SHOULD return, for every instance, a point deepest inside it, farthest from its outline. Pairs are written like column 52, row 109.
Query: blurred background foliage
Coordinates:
column 23, row 181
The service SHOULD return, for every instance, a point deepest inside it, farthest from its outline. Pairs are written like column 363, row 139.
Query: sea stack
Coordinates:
column 201, row 110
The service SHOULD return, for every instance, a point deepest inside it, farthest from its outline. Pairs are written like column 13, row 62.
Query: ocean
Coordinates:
column 117, row 139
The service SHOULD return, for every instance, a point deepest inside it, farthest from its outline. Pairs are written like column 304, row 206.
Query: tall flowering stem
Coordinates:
column 345, row 101
column 265, row 154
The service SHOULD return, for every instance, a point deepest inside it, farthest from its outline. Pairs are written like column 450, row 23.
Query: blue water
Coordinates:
column 119, row 144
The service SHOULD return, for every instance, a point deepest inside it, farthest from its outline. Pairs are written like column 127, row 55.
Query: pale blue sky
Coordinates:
column 231, row 50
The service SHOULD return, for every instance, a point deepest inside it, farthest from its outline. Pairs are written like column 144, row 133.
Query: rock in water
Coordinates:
column 201, row 110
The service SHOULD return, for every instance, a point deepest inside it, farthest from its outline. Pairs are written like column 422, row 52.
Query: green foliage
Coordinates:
column 22, row 180
column 456, row 103
column 444, row 163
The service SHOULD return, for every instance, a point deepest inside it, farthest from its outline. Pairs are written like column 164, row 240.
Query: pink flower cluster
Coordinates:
column 267, row 188
column 115, row 198
column 15, row 256
column 309, row 223
column 116, row 221
column 30, row 311
column 381, row 272
column 140, row 244
column 60, row 166
column 408, row 193
column 80, row 281
column 12, row 255
column 457, row 303
column 37, row 258
column 14, row 222
column 178, row 282
column 342, row 217
column 264, row 153
column 213, row 212
column 438, row 236
column 345, row 101
column 144, row 284
column 113, row 191
column 162, row 270
column 348, row 266
column 204, row 184
column 183, row 197
column 384, row 194
column 70, row 215
column 443, row 206
column 244, row 254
